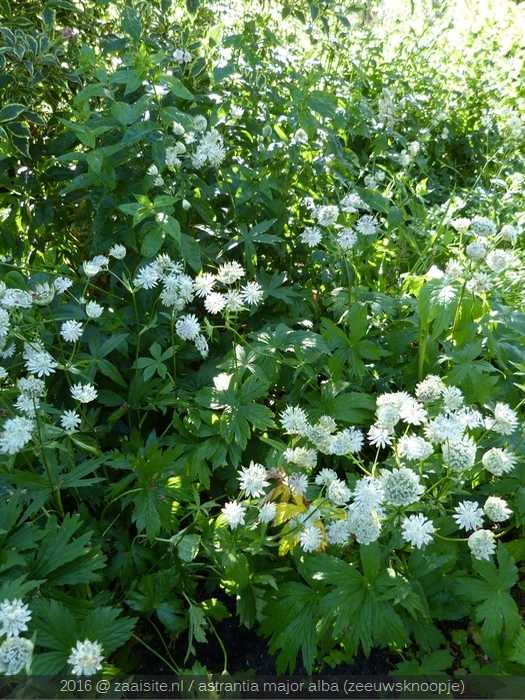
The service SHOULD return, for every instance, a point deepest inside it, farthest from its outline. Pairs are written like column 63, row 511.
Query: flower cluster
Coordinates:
column 16, row 652
column 432, row 437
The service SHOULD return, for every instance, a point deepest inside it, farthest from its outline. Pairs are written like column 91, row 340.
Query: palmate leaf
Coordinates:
column 290, row 621
column 495, row 608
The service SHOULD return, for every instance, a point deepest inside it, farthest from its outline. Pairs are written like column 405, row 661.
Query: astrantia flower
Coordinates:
column 94, row 310
column 38, row 361
column 95, row 265
column 348, row 441
column 338, row 532
column 459, row 454
column 483, row 226
column 215, row 302
column 14, row 616
column 379, row 436
column 301, row 456
column 16, row 653
column 310, row 538
column 388, row 415
column 204, row 284
column 430, row 389
column 476, row 250
column 311, row 236
column 351, row 203
column 84, row 393
column 234, row 301
column 62, row 284
column 326, row 215
column 482, row 544
column 368, row 494
column 293, row 420
column 234, row 514
column 367, row 225
column 253, row 479
column 147, row 277
column 496, row 509
column 267, row 513
column 412, row 412
column 444, row 428
column 499, row 461
column 401, row 487
column 499, row 260
column 188, row 327
column 86, row 658
column 509, row 233
column 468, row 515
column 325, row 476
column 70, row 420
column 413, row 447
column 117, row 251
column 252, row 293
column 444, row 295
column 16, row 434
column 417, row 530
column 230, row 272
column 28, row 405
column 201, row 345
column 297, row 483
column 43, row 294
column 505, row 419
column 364, row 524
column 71, row 331
column 31, row 386
column 452, row 398
column 16, row 299
column 338, row 492
column 346, row 238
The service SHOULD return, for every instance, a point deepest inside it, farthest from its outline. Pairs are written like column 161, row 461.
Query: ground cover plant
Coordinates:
column 261, row 336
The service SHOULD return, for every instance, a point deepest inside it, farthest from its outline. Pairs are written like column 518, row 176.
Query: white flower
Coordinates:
column 95, row 265
column 499, row 260
column 27, row 405
column 3, row 373
column 297, row 483
column 327, row 214
column 204, row 284
column 412, row 412
column 388, row 415
column 84, row 393
column 43, row 294
column 367, row 225
column 338, row 492
column 86, row 658
column 444, row 428
column 509, row 233
column 16, row 299
column 325, row 476
column 496, row 509
column 311, row 236
column 505, row 419
column 230, row 272
column 16, row 434
column 62, row 284
column 38, row 361
column 252, row 293
column 200, row 123
column 476, row 250
column 215, row 302
column 71, row 331
column 234, row 513
column 365, row 525
column 201, row 345
column 172, row 157
column 351, row 203
column 413, row 447
column 479, row 283
column 310, row 538
column 188, row 327
column 483, row 226
column 338, row 532
column 499, row 461
column 368, row 494
column 379, row 436
column 14, row 616
column 117, row 251
column 267, row 512
column 70, row 420
column 482, row 544
column 16, row 653
column 346, row 238
column 348, row 441
column 444, row 295
column 293, row 420
column 468, row 515
column 253, row 479
column 452, row 398
column 417, row 530
column 234, row 301
column 430, row 389
column 147, row 277
column 461, row 224
column 401, row 487
column 301, row 456
column 94, row 310
column 459, row 454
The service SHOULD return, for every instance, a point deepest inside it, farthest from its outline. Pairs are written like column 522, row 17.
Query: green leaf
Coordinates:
column 11, row 111
column 188, row 547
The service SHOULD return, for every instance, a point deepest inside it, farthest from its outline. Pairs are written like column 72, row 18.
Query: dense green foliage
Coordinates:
column 365, row 170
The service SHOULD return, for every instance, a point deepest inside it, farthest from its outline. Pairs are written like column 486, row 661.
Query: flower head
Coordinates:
column 468, row 515
column 482, row 544
column 417, row 530
column 234, row 513
column 14, row 616
column 84, row 393
column 253, row 479
column 86, row 658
